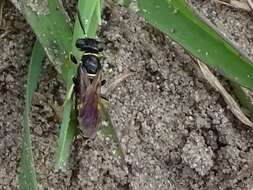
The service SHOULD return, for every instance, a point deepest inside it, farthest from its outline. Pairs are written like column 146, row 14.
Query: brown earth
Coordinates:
column 175, row 129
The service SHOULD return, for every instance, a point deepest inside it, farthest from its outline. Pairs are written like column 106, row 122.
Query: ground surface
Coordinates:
column 175, row 129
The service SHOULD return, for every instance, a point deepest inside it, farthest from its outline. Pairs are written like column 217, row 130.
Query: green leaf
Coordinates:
column 91, row 28
column 51, row 28
column 176, row 19
column 27, row 178
column 88, row 14
column 67, row 133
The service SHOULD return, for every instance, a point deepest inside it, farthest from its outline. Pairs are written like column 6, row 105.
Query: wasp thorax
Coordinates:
column 90, row 45
column 91, row 63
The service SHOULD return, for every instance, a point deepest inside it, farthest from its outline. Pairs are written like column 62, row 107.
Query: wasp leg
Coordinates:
column 71, row 90
column 69, row 93
column 75, row 81
column 104, row 98
column 103, row 89
column 102, row 94
column 103, row 82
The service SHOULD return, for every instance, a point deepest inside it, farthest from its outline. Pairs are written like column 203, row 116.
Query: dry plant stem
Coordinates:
column 250, row 2
column 1, row 11
column 236, row 4
column 234, row 107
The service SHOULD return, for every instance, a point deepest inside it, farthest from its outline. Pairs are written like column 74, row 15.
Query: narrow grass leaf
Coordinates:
column 27, row 178
column 87, row 13
column 67, row 133
column 51, row 28
column 90, row 15
column 176, row 19
column 89, row 21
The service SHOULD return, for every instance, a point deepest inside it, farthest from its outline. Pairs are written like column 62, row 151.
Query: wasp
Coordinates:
column 87, row 85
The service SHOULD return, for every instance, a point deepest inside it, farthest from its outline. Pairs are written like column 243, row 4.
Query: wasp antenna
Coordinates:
column 80, row 21
column 104, row 98
column 73, row 58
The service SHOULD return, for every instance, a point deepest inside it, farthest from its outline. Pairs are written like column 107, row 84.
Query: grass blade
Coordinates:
column 27, row 178
column 51, row 28
column 67, row 133
column 91, row 28
column 88, row 14
column 177, row 20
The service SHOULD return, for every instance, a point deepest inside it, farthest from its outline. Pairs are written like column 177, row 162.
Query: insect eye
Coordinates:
column 91, row 63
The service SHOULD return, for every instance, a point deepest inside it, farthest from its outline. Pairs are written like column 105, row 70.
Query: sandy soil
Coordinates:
column 175, row 129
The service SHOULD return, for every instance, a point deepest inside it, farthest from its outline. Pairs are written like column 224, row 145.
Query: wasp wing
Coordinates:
column 88, row 107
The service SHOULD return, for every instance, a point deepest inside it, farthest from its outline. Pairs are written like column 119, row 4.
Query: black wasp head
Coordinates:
column 91, row 63
column 90, row 45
